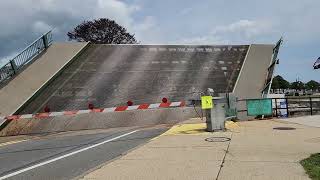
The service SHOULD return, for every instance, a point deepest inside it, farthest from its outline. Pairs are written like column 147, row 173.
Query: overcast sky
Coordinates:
column 177, row 22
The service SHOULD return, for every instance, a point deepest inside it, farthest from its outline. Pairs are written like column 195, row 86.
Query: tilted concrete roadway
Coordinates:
column 69, row 155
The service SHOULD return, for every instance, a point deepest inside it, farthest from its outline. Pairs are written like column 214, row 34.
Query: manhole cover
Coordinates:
column 217, row 139
column 284, row 128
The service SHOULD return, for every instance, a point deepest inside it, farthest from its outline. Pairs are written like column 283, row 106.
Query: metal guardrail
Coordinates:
column 26, row 56
column 271, row 68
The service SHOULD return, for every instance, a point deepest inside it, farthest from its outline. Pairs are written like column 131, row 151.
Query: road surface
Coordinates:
column 69, row 155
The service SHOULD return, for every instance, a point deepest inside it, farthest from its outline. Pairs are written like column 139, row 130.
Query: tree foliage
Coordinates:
column 101, row 31
column 279, row 82
column 298, row 85
column 312, row 85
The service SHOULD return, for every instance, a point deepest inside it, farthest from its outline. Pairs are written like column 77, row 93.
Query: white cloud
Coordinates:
column 41, row 27
column 206, row 39
column 52, row 13
column 117, row 10
column 24, row 20
column 148, row 23
column 147, row 31
column 6, row 59
column 245, row 27
column 241, row 31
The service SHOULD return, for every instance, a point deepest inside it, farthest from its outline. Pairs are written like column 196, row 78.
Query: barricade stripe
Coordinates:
column 109, row 109
column 53, row 114
column 84, row 111
column 174, row 104
column 121, row 108
column 182, row 104
column 26, row 116
column 153, row 106
column 13, row 117
column 144, row 106
column 164, row 105
column 42, row 115
column 132, row 107
column 98, row 110
column 69, row 113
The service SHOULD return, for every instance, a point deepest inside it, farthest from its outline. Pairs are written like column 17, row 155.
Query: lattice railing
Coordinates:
column 26, row 56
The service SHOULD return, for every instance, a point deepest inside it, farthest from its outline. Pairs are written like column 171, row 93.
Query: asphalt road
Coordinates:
column 69, row 155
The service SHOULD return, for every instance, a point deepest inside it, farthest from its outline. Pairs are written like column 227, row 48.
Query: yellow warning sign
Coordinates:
column 206, row 102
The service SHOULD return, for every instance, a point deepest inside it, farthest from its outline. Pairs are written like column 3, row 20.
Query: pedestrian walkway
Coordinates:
column 313, row 121
column 248, row 150
column 20, row 89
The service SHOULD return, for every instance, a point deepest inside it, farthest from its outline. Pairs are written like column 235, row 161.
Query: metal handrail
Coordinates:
column 26, row 56
column 308, row 107
column 271, row 68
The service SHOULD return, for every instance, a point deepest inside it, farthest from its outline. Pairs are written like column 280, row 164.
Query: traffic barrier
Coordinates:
column 96, row 110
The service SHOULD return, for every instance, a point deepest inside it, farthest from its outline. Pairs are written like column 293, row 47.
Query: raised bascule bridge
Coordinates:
column 111, row 75
column 69, row 76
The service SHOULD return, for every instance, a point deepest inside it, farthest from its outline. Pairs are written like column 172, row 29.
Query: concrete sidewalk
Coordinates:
column 255, row 151
column 313, row 121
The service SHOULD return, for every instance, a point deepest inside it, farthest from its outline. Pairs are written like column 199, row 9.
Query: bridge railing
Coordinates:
column 26, row 56
column 271, row 69
column 292, row 106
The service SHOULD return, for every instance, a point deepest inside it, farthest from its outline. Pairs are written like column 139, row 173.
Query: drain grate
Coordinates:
column 217, row 139
column 284, row 128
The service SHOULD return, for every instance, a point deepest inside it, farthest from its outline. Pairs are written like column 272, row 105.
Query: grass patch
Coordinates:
column 312, row 166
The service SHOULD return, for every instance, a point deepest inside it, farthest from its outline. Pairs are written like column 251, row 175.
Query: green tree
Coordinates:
column 275, row 83
column 101, row 31
column 298, row 85
column 312, row 85
column 280, row 83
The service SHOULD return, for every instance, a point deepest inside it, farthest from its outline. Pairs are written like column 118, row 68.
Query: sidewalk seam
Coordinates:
column 224, row 157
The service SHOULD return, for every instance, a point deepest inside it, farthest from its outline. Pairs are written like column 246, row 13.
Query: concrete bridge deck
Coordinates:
column 20, row 89
column 110, row 75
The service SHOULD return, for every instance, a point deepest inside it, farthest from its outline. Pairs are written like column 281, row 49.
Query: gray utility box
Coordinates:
column 215, row 117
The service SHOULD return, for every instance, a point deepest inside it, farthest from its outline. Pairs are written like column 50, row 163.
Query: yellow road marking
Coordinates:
column 187, row 129
column 231, row 125
column 12, row 142
column 199, row 128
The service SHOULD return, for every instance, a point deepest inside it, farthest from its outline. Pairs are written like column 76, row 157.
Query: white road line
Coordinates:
column 64, row 156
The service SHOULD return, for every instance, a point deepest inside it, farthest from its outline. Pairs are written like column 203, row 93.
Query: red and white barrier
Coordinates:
column 98, row 110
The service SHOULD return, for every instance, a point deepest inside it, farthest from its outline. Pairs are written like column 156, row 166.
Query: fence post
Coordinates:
column 13, row 66
column 276, row 107
column 310, row 101
column 45, row 41
column 287, row 106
